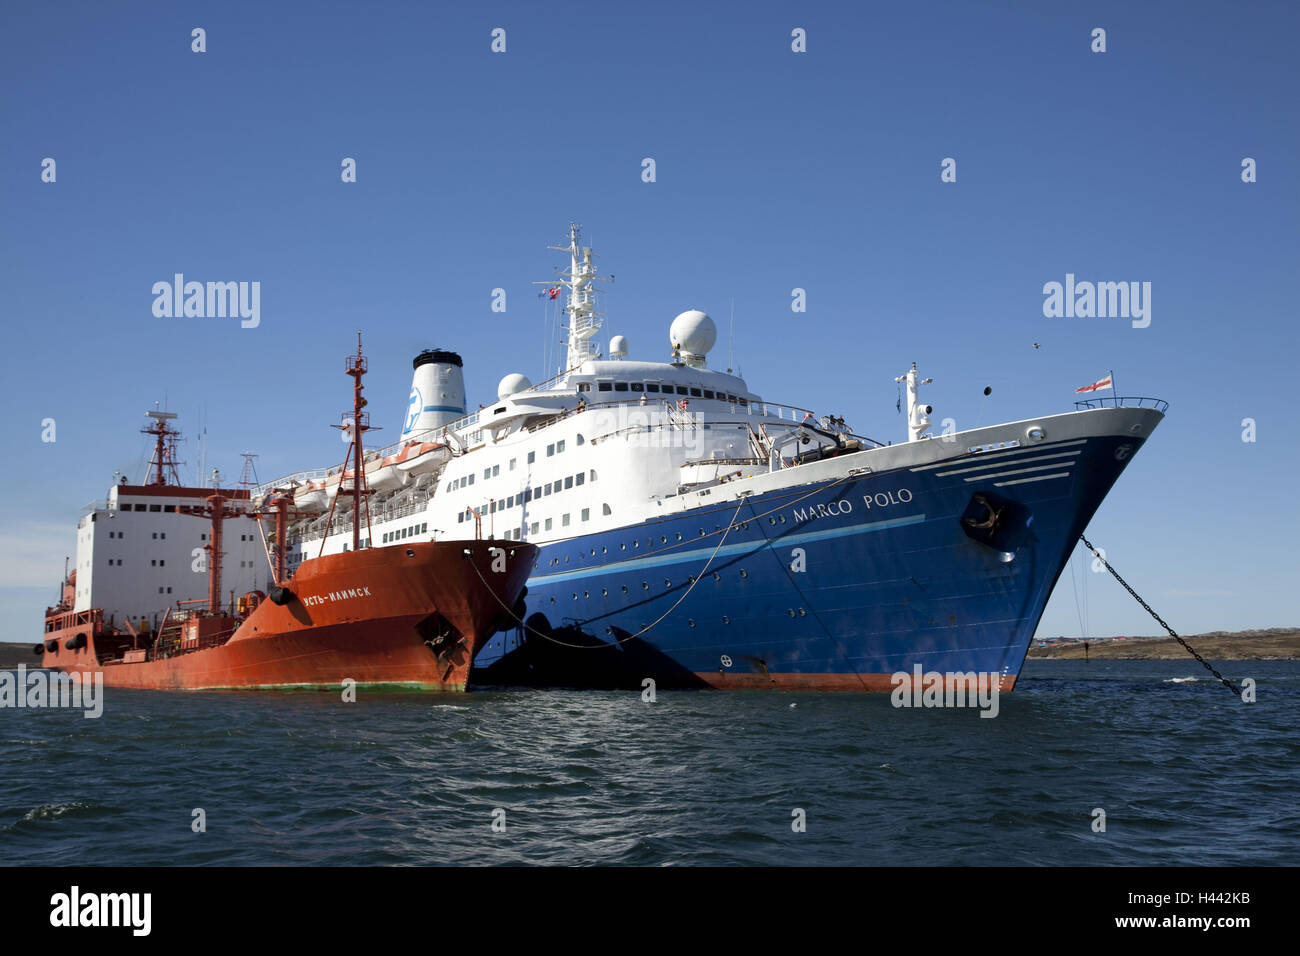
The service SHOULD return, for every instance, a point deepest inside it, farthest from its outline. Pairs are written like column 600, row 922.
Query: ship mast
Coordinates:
column 355, row 428
column 584, row 320
column 164, row 452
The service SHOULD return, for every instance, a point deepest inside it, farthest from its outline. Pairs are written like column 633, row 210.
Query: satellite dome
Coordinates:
column 618, row 346
column 693, row 332
column 512, row 383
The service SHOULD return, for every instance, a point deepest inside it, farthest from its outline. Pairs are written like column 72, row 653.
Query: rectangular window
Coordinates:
column 155, row 508
column 603, row 386
column 559, row 447
column 528, row 495
column 512, row 463
column 172, row 510
column 532, row 457
column 579, row 478
column 568, row 483
column 460, row 517
column 141, row 507
column 564, row 521
column 471, row 479
column 637, row 386
column 695, row 393
column 550, row 450
column 586, row 514
column 548, row 524
column 510, row 501
column 154, row 536
column 487, row 472
column 584, row 386
column 620, row 386
column 496, row 470
column 651, row 386
column 681, row 389
column 708, row 393
column 532, row 528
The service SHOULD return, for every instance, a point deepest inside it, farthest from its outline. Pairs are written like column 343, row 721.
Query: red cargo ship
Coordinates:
column 411, row 615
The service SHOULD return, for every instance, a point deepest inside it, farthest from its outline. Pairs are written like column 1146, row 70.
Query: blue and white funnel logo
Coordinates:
column 413, row 409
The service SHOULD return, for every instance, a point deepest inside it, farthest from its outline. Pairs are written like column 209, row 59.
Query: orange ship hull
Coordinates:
column 409, row 616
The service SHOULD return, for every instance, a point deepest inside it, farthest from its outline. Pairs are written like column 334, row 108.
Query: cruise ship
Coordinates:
column 695, row 533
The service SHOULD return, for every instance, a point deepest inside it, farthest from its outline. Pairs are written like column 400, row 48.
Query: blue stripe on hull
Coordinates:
column 889, row 579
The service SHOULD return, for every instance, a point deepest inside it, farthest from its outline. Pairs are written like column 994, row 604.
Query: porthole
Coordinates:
column 744, row 573
column 690, row 621
column 575, row 597
column 645, row 585
column 625, row 589
column 667, row 583
column 791, row 612
column 604, row 592
column 802, row 612
column 725, row 619
column 1035, row 433
column 717, row 576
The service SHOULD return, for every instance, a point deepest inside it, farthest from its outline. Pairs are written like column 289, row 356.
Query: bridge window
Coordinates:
column 604, row 386
column 681, row 389
column 651, row 387
column 620, row 386
column 637, row 386
column 584, row 386
column 708, row 393
column 695, row 392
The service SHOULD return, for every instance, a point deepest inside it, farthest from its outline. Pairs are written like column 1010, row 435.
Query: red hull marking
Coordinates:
column 322, row 637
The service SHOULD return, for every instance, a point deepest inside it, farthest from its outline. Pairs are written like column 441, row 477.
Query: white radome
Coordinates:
column 511, row 384
column 693, row 332
column 618, row 346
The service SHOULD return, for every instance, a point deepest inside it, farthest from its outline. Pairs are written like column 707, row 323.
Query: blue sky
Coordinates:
column 775, row 170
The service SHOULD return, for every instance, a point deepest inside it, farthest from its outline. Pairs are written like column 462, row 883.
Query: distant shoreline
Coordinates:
column 1274, row 644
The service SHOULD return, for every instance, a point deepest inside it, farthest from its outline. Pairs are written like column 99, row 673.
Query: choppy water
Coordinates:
column 1185, row 773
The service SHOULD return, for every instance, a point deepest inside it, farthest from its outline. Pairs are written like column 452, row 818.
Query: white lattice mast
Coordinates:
column 584, row 320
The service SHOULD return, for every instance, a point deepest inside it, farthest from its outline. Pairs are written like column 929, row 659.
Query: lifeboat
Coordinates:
column 310, row 496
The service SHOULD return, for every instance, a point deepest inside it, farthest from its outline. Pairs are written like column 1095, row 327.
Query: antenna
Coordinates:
column 731, row 339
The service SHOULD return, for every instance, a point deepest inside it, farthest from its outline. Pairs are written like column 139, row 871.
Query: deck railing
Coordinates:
column 1124, row 401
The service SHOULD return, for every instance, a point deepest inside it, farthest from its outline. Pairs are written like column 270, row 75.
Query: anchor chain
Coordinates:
column 1159, row 620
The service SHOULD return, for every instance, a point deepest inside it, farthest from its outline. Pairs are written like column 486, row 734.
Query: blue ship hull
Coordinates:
column 836, row 585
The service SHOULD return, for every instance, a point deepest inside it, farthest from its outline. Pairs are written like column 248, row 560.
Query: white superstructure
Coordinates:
column 141, row 550
column 606, row 443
